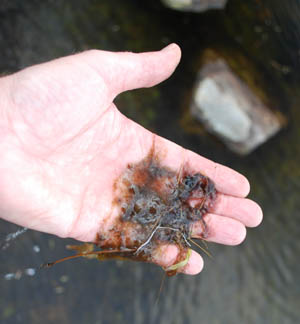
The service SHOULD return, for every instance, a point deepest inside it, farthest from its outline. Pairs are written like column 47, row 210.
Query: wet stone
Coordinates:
column 195, row 5
column 229, row 109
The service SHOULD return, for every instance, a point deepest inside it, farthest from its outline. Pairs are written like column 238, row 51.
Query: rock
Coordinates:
column 229, row 109
column 195, row 5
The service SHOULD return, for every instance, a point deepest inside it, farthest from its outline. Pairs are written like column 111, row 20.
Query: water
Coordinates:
column 11, row 237
column 256, row 282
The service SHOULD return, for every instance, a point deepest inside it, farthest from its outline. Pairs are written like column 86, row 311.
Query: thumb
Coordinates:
column 124, row 71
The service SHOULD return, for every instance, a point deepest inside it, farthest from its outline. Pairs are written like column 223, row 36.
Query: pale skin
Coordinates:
column 63, row 142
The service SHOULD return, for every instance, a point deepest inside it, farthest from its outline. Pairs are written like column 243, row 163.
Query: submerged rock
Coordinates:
column 230, row 110
column 195, row 5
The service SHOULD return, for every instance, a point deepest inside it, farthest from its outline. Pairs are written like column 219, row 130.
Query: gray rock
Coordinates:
column 230, row 110
column 195, row 5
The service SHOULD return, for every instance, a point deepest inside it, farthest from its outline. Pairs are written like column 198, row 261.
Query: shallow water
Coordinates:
column 256, row 282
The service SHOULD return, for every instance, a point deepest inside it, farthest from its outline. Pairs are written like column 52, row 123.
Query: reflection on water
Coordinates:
column 11, row 237
column 252, row 283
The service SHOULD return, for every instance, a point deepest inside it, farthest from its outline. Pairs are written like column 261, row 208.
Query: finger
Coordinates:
column 227, row 181
column 166, row 255
column 126, row 71
column 223, row 230
column 244, row 210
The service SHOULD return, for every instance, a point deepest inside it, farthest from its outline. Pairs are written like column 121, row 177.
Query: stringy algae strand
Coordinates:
column 154, row 208
column 153, row 204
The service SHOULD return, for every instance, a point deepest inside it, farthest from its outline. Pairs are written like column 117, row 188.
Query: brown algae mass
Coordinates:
column 154, row 209
column 156, row 206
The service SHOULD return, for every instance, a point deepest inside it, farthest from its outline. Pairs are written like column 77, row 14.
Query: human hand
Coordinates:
column 64, row 143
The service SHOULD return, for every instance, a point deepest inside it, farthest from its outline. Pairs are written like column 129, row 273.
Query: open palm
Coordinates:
column 65, row 142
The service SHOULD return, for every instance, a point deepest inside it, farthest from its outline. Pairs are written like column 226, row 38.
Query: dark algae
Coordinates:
column 156, row 206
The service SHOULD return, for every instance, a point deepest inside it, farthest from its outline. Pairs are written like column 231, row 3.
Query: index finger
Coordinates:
column 227, row 181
